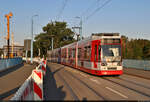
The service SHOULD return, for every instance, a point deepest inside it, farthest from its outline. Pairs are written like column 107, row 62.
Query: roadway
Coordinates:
column 12, row 78
column 65, row 83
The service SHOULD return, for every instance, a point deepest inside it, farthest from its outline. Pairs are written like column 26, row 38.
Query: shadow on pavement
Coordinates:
column 8, row 93
column 51, row 91
column 9, row 70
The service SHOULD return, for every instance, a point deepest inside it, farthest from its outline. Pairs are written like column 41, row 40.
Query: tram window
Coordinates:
column 65, row 53
column 87, row 52
column 70, row 53
column 95, row 52
column 73, row 52
column 79, row 53
column 99, row 52
column 110, row 40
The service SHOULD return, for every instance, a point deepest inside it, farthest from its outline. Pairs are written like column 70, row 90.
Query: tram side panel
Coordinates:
column 84, row 57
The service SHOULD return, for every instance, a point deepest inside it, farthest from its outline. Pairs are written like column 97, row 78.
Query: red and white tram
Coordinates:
column 99, row 54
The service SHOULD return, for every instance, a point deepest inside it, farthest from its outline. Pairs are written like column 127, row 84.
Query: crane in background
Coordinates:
column 8, row 16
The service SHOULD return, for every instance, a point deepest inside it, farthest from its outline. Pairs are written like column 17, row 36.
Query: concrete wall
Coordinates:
column 8, row 63
column 137, row 64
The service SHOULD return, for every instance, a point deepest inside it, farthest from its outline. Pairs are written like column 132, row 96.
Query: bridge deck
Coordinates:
column 12, row 79
column 65, row 83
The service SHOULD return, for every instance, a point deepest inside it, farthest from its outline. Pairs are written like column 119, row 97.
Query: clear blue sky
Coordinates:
column 128, row 17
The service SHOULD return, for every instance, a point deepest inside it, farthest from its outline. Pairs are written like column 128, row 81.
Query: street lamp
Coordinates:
column 32, row 37
column 52, row 41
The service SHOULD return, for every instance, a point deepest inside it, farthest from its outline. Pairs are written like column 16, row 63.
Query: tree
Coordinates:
column 60, row 33
column 124, row 46
column 135, row 48
column 146, row 51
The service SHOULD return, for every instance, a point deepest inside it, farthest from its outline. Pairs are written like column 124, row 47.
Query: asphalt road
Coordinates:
column 12, row 79
column 65, row 83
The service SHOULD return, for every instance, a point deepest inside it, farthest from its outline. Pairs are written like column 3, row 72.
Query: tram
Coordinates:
column 100, row 54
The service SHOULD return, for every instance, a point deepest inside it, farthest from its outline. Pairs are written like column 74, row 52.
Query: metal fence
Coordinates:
column 8, row 63
column 138, row 64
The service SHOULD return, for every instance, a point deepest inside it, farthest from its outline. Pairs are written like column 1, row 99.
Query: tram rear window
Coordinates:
column 110, row 41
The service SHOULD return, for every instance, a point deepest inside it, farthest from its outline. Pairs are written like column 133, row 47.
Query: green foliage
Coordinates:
column 135, row 48
column 60, row 33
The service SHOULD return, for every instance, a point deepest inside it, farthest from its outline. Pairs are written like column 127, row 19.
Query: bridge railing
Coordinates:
column 137, row 64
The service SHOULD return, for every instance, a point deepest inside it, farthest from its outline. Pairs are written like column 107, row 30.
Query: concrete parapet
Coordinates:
column 8, row 63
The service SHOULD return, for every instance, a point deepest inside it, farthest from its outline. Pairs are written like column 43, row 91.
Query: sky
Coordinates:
column 128, row 17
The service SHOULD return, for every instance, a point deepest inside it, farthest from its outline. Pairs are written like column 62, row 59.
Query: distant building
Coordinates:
column 17, row 50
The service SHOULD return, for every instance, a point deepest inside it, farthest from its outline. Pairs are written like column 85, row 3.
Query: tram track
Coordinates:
column 75, row 97
column 93, row 90
column 70, row 87
column 137, row 76
column 145, row 94
column 137, row 84
column 117, row 83
column 133, row 83
column 139, row 89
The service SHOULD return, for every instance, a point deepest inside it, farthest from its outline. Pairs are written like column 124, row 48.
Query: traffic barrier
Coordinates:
column 25, row 91
column 32, row 88
column 43, row 66
column 37, row 84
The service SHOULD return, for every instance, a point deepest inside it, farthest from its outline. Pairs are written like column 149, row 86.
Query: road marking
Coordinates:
column 83, row 75
column 96, row 81
column 116, row 92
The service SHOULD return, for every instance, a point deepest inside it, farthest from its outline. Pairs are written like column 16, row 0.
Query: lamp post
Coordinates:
column 80, row 28
column 32, row 37
column 52, row 41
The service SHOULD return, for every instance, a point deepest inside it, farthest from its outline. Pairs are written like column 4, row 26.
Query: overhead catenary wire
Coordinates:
column 61, row 9
column 90, row 7
column 97, row 9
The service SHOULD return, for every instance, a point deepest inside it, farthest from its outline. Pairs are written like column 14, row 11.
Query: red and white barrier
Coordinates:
column 43, row 66
column 37, row 84
column 25, row 91
column 32, row 88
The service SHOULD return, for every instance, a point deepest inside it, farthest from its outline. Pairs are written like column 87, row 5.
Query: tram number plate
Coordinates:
column 112, row 68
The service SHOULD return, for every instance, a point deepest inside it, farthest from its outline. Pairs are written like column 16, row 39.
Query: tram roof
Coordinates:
column 96, row 36
column 105, row 34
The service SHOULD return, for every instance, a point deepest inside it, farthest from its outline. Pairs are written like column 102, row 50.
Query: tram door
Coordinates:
column 95, row 53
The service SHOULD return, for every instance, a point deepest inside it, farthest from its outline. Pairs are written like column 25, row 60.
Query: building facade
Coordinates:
column 17, row 51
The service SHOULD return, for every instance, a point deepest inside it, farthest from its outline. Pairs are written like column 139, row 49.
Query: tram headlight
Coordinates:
column 103, row 64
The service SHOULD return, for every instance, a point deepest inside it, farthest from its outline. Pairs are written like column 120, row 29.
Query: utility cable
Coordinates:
column 91, row 6
column 62, row 9
column 97, row 9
